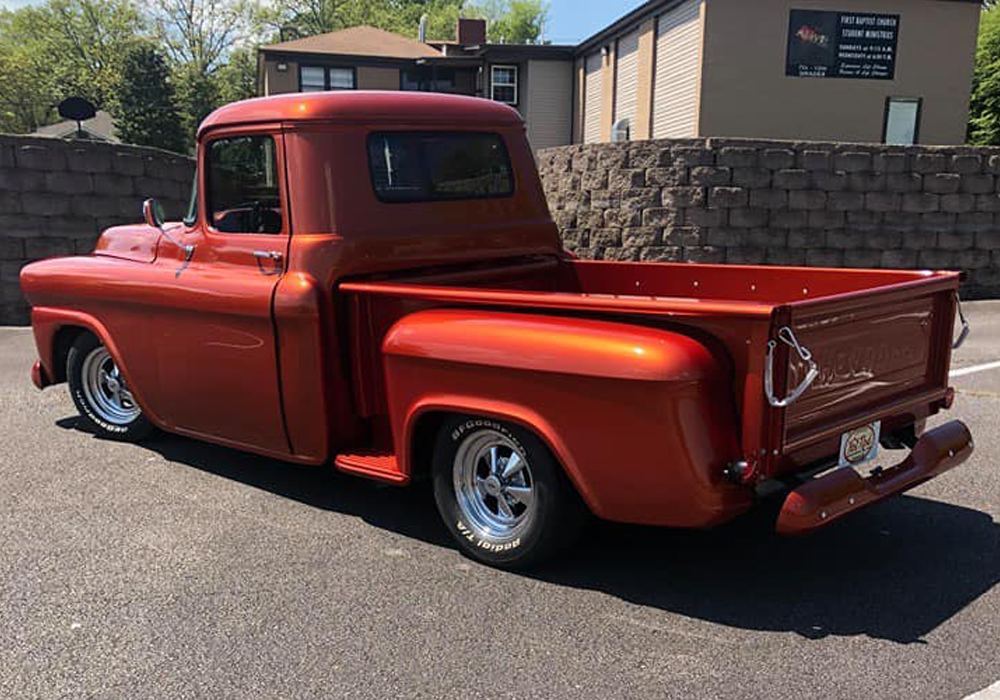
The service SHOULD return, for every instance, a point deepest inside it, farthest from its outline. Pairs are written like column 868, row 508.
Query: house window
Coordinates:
column 340, row 78
column 503, row 84
column 902, row 120
column 319, row 78
column 428, row 79
column 312, row 79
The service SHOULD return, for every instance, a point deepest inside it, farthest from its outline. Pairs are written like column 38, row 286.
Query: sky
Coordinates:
column 570, row 21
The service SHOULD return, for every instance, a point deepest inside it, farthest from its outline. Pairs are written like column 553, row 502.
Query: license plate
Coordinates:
column 860, row 445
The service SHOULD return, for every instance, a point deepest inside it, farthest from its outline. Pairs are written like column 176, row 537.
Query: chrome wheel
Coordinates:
column 105, row 389
column 494, row 485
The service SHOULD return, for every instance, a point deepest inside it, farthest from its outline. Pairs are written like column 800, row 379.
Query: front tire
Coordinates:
column 501, row 493
column 100, row 393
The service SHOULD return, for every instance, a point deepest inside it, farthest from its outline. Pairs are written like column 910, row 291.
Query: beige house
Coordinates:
column 896, row 71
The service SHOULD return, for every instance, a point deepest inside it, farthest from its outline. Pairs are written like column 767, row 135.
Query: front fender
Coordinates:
column 640, row 418
column 46, row 322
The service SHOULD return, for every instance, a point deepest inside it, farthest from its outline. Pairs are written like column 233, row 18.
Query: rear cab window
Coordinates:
column 439, row 166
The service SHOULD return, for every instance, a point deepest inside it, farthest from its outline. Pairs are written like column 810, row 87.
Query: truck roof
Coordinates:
column 365, row 106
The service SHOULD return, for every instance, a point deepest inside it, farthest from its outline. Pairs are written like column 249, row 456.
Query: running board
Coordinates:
column 372, row 465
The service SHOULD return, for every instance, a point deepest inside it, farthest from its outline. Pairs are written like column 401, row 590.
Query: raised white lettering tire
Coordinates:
column 501, row 493
column 100, row 393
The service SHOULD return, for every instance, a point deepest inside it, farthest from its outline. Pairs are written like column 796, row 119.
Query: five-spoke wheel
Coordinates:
column 501, row 493
column 493, row 484
column 101, row 393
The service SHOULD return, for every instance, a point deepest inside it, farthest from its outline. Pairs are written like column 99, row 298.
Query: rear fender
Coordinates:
column 641, row 419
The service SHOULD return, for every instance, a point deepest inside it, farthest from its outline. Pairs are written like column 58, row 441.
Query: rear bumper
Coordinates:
column 39, row 376
column 821, row 501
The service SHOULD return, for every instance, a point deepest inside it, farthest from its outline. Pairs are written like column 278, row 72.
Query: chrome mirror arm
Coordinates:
column 152, row 212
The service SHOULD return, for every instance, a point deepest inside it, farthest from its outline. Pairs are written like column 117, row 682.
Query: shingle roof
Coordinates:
column 358, row 41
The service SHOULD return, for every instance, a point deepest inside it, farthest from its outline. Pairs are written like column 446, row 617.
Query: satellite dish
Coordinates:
column 78, row 109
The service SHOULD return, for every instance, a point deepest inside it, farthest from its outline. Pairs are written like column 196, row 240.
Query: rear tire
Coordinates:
column 100, row 393
column 502, row 495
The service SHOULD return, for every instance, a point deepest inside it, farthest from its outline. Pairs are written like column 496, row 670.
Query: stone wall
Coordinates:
column 57, row 196
column 781, row 203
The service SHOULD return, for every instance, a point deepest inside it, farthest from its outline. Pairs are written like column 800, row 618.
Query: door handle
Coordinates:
column 272, row 255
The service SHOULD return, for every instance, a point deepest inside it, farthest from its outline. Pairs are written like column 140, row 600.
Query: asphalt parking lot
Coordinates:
column 176, row 569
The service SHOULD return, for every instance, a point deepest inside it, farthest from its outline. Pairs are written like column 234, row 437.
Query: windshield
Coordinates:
column 192, row 213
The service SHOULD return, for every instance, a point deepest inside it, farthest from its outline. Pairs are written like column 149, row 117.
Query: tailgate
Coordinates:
column 881, row 354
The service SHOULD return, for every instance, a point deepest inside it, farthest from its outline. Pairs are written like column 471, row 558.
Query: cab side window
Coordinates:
column 243, row 192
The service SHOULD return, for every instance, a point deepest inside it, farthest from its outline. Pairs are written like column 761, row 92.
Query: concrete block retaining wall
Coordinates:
column 57, row 196
column 781, row 203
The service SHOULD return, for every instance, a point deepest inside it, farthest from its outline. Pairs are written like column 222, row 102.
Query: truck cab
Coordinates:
column 373, row 281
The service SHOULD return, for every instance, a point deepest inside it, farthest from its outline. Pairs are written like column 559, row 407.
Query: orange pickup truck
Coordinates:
column 373, row 280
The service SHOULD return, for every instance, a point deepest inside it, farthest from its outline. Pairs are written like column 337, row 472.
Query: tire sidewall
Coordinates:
column 134, row 430
column 527, row 545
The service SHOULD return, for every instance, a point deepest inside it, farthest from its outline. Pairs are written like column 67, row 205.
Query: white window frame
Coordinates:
column 494, row 84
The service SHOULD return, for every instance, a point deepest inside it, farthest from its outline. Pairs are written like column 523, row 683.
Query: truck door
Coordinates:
column 216, row 349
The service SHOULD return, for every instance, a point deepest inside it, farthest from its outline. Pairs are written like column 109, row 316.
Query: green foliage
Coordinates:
column 87, row 41
column 28, row 91
column 197, row 96
column 238, row 78
column 520, row 23
column 309, row 17
column 984, row 122
column 147, row 108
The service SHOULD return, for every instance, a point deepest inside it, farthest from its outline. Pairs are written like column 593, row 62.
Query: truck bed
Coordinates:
column 881, row 339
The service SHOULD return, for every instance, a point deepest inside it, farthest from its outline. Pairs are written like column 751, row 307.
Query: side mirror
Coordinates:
column 152, row 213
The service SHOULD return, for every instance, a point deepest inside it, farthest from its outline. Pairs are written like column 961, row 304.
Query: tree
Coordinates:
column 199, row 34
column 520, row 23
column 86, row 43
column 147, row 110
column 984, row 122
column 59, row 49
column 238, row 78
column 197, row 97
column 28, row 92
column 199, row 37
column 310, row 17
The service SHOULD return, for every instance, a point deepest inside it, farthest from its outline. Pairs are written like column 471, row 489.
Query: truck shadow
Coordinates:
column 895, row 571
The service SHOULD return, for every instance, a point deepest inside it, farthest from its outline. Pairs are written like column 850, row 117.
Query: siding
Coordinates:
column 678, row 64
column 549, row 108
column 377, row 78
column 592, row 99
column 627, row 79
column 277, row 82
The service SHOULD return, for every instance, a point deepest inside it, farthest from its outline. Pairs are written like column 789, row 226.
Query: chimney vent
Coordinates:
column 471, row 32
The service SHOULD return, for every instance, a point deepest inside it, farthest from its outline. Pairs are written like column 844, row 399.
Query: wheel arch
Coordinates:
column 424, row 420
column 55, row 332
column 62, row 341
